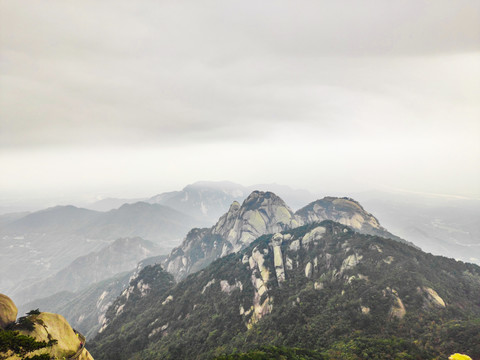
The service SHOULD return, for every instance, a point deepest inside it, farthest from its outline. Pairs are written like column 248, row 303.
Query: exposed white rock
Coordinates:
column 432, row 298
column 167, row 300
column 120, row 309
column 143, row 288
column 308, row 270
column 157, row 330
column 294, row 245
column 350, row 262
column 278, row 258
column 227, row 288
column 259, row 261
column 315, row 234
column 260, row 310
column 398, row 309
column 365, row 310
column 388, row 260
column 289, row 263
column 376, row 247
column 318, row 285
column 211, row 282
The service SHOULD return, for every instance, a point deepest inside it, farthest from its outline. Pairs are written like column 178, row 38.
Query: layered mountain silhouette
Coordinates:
column 85, row 309
column 122, row 255
column 40, row 244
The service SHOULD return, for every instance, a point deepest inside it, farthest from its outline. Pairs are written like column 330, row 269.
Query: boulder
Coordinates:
column 8, row 311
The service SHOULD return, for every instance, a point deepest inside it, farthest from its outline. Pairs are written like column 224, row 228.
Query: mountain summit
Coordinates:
column 260, row 213
column 263, row 213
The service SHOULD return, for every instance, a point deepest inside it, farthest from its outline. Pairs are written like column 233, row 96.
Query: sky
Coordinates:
column 132, row 98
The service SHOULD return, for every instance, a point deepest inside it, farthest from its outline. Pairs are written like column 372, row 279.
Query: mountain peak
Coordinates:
column 261, row 213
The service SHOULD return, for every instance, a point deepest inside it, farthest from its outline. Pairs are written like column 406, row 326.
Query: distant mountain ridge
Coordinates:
column 122, row 255
column 40, row 244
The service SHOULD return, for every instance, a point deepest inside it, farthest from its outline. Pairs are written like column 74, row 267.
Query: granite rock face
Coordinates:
column 345, row 211
column 8, row 311
column 261, row 213
column 45, row 327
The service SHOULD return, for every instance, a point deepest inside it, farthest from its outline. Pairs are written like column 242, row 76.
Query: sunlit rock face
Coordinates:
column 46, row 327
column 8, row 311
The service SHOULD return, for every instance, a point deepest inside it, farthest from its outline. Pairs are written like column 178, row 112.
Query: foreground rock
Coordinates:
column 8, row 311
column 60, row 341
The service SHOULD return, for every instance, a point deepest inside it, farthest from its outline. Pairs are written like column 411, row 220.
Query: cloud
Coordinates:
column 122, row 71
column 375, row 85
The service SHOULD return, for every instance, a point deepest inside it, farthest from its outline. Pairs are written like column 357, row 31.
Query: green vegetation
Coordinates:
column 274, row 353
column 20, row 345
column 340, row 312
column 12, row 342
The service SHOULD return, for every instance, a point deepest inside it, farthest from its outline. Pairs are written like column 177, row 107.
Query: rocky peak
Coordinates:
column 343, row 210
column 346, row 211
column 261, row 213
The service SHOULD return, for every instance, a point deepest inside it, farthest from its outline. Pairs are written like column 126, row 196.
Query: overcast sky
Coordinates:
column 132, row 98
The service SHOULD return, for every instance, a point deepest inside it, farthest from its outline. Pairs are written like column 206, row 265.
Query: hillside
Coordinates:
column 85, row 309
column 320, row 287
column 121, row 255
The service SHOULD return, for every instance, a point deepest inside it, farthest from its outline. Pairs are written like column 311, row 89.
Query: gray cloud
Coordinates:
column 119, row 70
column 398, row 79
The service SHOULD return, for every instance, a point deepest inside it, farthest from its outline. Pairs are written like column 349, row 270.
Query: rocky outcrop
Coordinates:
column 53, row 326
column 431, row 298
column 52, row 329
column 8, row 311
column 398, row 308
column 345, row 211
column 261, row 213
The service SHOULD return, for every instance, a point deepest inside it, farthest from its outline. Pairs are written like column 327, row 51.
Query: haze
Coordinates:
column 132, row 98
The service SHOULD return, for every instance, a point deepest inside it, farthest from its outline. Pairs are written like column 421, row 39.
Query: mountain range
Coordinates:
column 120, row 256
column 321, row 286
column 42, row 243
column 263, row 213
